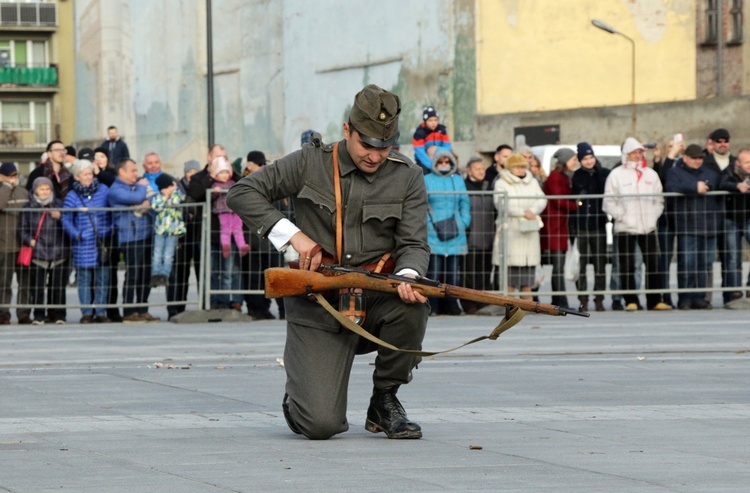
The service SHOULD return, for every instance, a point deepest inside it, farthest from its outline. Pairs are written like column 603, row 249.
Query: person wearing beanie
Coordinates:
column 306, row 137
column 49, row 262
column 588, row 223
column 189, row 168
column 431, row 136
column 90, row 231
column 12, row 196
column 70, row 156
column 229, row 221
column 554, row 233
column 633, row 199
column 698, row 221
column 255, row 160
column 169, row 226
column 103, row 170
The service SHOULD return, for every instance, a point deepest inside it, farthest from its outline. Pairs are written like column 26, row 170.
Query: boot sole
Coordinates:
column 376, row 428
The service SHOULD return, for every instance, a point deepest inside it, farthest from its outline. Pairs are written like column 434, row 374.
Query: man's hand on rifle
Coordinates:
column 310, row 254
column 408, row 294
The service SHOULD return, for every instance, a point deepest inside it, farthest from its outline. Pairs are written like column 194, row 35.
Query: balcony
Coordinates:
column 28, row 78
column 19, row 138
column 28, row 15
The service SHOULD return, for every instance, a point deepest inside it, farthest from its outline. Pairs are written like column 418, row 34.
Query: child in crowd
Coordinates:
column 49, row 262
column 431, row 136
column 168, row 227
column 230, row 222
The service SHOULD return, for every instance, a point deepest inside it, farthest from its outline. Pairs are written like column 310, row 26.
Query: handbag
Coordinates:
column 572, row 262
column 531, row 225
column 27, row 251
column 446, row 229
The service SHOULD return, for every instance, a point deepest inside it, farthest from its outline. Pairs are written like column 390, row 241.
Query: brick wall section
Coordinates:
column 706, row 56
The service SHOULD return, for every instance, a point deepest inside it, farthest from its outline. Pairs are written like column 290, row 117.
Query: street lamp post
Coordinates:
column 606, row 27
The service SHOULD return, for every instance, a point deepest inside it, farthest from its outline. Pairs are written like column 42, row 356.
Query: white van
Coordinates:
column 608, row 155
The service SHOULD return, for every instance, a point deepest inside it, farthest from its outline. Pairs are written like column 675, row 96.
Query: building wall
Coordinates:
column 281, row 67
column 733, row 69
column 63, row 53
column 545, row 55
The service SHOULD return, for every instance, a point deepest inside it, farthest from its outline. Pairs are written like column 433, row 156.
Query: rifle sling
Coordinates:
column 512, row 317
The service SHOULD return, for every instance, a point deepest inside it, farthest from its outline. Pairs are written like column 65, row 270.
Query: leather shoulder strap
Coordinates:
column 339, row 205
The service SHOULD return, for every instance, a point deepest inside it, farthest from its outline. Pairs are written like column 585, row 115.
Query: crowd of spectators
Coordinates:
column 108, row 210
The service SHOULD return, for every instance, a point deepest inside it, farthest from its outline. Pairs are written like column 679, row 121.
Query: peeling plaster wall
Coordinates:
column 280, row 67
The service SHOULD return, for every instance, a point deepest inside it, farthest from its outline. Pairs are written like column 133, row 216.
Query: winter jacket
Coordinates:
column 52, row 243
column 10, row 198
column 481, row 232
column 117, row 150
column 639, row 212
column 219, row 199
column 131, row 225
column 589, row 217
column 425, row 138
column 737, row 204
column 82, row 225
column 554, row 234
column 444, row 206
column 60, row 181
column 518, row 195
column 696, row 214
column 168, row 220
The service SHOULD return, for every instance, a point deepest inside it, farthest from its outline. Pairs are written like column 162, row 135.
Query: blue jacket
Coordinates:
column 80, row 227
column 694, row 214
column 447, row 205
column 131, row 226
column 52, row 243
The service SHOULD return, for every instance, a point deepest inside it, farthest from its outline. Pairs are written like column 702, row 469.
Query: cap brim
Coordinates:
column 380, row 144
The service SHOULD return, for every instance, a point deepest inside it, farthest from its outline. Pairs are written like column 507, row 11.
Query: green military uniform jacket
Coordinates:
column 383, row 212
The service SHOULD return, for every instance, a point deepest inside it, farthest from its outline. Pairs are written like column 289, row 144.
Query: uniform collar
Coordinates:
column 347, row 166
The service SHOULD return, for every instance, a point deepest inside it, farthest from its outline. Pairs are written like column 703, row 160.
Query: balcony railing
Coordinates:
column 15, row 136
column 28, row 76
column 28, row 14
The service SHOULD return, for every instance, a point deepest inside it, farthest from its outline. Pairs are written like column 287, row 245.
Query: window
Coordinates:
column 712, row 22
column 23, row 53
column 735, row 15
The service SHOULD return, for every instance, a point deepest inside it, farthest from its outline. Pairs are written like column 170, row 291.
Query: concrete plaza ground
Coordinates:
column 620, row 402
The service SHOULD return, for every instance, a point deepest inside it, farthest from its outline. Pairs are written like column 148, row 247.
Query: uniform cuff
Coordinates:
column 281, row 234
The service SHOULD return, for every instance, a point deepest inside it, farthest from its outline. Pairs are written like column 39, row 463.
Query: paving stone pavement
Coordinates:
column 620, row 402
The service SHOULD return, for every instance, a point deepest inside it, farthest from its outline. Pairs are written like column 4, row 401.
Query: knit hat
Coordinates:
column 429, row 112
column 79, row 165
column 694, row 151
column 584, row 149
column 256, row 157
column 516, row 160
column 562, row 155
column 191, row 164
column 7, row 169
column 70, row 151
column 164, row 181
column 86, row 153
column 237, row 165
column 41, row 181
column 719, row 134
column 102, row 150
column 218, row 165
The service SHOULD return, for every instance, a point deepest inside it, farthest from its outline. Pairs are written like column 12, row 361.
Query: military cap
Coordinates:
column 374, row 116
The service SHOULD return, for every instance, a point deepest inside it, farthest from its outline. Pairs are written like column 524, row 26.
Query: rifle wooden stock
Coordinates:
column 281, row 282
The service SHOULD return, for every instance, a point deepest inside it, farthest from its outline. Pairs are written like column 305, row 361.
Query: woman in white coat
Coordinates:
column 524, row 200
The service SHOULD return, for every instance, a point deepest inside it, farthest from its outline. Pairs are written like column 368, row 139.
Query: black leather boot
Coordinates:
column 387, row 415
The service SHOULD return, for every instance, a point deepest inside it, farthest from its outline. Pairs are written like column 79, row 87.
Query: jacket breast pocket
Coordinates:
column 379, row 220
column 322, row 207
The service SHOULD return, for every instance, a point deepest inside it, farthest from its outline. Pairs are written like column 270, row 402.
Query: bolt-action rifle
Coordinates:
column 281, row 282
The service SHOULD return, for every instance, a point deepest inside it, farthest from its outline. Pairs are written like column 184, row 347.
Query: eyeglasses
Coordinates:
column 722, row 141
column 59, row 149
